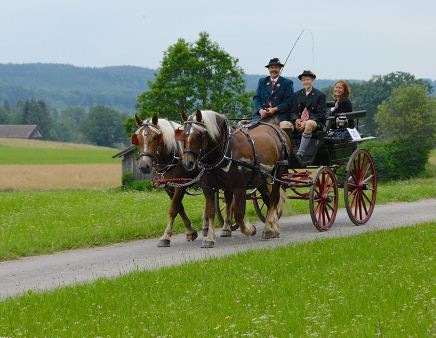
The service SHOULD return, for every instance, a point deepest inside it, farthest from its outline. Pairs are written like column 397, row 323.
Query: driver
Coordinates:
column 273, row 94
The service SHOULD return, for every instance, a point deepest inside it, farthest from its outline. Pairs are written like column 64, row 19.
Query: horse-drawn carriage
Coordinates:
column 257, row 162
column 333, row 161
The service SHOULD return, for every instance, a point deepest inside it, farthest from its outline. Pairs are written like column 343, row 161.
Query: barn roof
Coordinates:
column 124, row 152
column 20, row 131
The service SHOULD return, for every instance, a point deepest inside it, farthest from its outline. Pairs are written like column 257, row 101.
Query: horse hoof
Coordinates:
column 234, row 227
column 192, row 236
column 226, row 233
column 163, row 243
column 267, row 235
column 276, row 234
column 204, row 232
column 207, row 244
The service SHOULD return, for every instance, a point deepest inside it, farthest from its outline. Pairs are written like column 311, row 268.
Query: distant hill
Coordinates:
column 63, row 85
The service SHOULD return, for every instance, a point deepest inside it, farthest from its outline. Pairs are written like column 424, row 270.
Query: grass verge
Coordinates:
column 48, row 221
column 374, row 284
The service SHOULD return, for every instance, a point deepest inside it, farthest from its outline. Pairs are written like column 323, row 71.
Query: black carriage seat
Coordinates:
column 340, row 135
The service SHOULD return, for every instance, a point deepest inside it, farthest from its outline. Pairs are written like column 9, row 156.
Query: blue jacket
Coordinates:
column 280, row 98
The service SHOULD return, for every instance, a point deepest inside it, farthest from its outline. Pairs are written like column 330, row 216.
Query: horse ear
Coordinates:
column 134, row 139
column 154, row 119
column 198, row 115
column 138, row 120
column 184, row 116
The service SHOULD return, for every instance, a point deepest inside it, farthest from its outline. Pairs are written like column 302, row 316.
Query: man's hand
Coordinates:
column 299, row 124
column 272, row 111
column 263, row 113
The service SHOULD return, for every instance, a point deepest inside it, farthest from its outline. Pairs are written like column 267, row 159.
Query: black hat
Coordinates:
column 274, row 62
column 307, row 73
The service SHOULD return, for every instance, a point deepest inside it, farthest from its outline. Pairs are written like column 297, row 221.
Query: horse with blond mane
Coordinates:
column 234, row 160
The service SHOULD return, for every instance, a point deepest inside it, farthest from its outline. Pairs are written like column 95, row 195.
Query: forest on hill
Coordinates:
column 62, row 86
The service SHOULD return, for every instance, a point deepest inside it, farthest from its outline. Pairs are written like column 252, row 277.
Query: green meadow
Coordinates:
column 35, row 155
column 378, row 284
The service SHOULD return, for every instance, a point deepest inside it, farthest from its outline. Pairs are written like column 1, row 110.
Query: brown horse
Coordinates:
column 233, row 160
column 160, row 151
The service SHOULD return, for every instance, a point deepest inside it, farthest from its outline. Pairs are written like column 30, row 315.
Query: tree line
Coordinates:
column 100, row 125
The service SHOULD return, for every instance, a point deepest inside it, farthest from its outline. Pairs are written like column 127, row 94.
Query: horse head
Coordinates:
column 201, row 133
column 148, row 139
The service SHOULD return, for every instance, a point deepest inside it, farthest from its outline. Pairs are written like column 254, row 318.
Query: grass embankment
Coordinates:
column 374, row 284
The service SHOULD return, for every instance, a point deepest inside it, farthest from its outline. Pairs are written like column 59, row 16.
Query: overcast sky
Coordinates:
column 352, row 39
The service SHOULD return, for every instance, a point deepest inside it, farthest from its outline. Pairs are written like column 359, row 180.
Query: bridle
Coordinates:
column 200, row 153
column 160, row 168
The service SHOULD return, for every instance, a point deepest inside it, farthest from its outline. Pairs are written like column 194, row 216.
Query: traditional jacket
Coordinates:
column 280, row 97
column 315, row 103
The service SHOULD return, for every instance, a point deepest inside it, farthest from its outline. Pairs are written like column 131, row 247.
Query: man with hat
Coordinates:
column 308, row 111
column 273, row 94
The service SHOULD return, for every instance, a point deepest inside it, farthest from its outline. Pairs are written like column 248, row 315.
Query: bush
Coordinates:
column 396, row 159
column 129, row 183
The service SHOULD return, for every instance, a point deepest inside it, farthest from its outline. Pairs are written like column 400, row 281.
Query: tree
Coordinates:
column 35, row 111
column 407, row 123
column 197, row 75
column 409, row 114
column 369, row 95
column 104, row 126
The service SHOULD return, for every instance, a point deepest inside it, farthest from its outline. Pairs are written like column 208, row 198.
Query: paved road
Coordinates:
column 51, row 271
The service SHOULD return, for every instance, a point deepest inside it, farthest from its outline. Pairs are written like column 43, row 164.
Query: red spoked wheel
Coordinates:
column 360, row 187
column 323, row 199
column 259, row 205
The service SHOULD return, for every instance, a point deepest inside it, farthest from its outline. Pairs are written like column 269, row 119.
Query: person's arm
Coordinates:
column 321, row 107
column 293, row 109
column 287, row 98
column 257, row 101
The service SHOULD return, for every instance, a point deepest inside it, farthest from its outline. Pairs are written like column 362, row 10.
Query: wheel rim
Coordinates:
column 220, row 206
column 360, row 187
column 260, row 206
column 323, row 199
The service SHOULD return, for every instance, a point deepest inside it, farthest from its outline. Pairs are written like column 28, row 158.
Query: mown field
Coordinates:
column 44, row 165
column 21, row 151
column 378, row 284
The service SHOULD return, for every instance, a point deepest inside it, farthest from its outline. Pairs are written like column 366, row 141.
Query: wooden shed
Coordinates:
column 130, row 164
column 30, row 131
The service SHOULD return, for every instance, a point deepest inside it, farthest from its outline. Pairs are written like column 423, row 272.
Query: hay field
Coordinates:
column 59, row 176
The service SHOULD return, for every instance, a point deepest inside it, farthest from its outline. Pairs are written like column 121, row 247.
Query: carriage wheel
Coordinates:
column 220, row 206
column 260, row 206
column 360, row 187
column 323, row 199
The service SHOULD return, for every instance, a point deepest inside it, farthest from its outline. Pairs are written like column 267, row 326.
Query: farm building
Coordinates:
column 130, row 164
column 30, row 131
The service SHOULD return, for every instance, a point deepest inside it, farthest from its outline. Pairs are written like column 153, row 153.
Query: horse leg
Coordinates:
column 191, row 233
column 205, row 224
column 165, row 240
column 226, row 231
column 239, row 207
column 271, row 229
column 209, row 240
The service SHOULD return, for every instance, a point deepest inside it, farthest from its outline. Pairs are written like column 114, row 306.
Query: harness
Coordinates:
column 226, row 156
column 200, row 153
column 160, row 168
